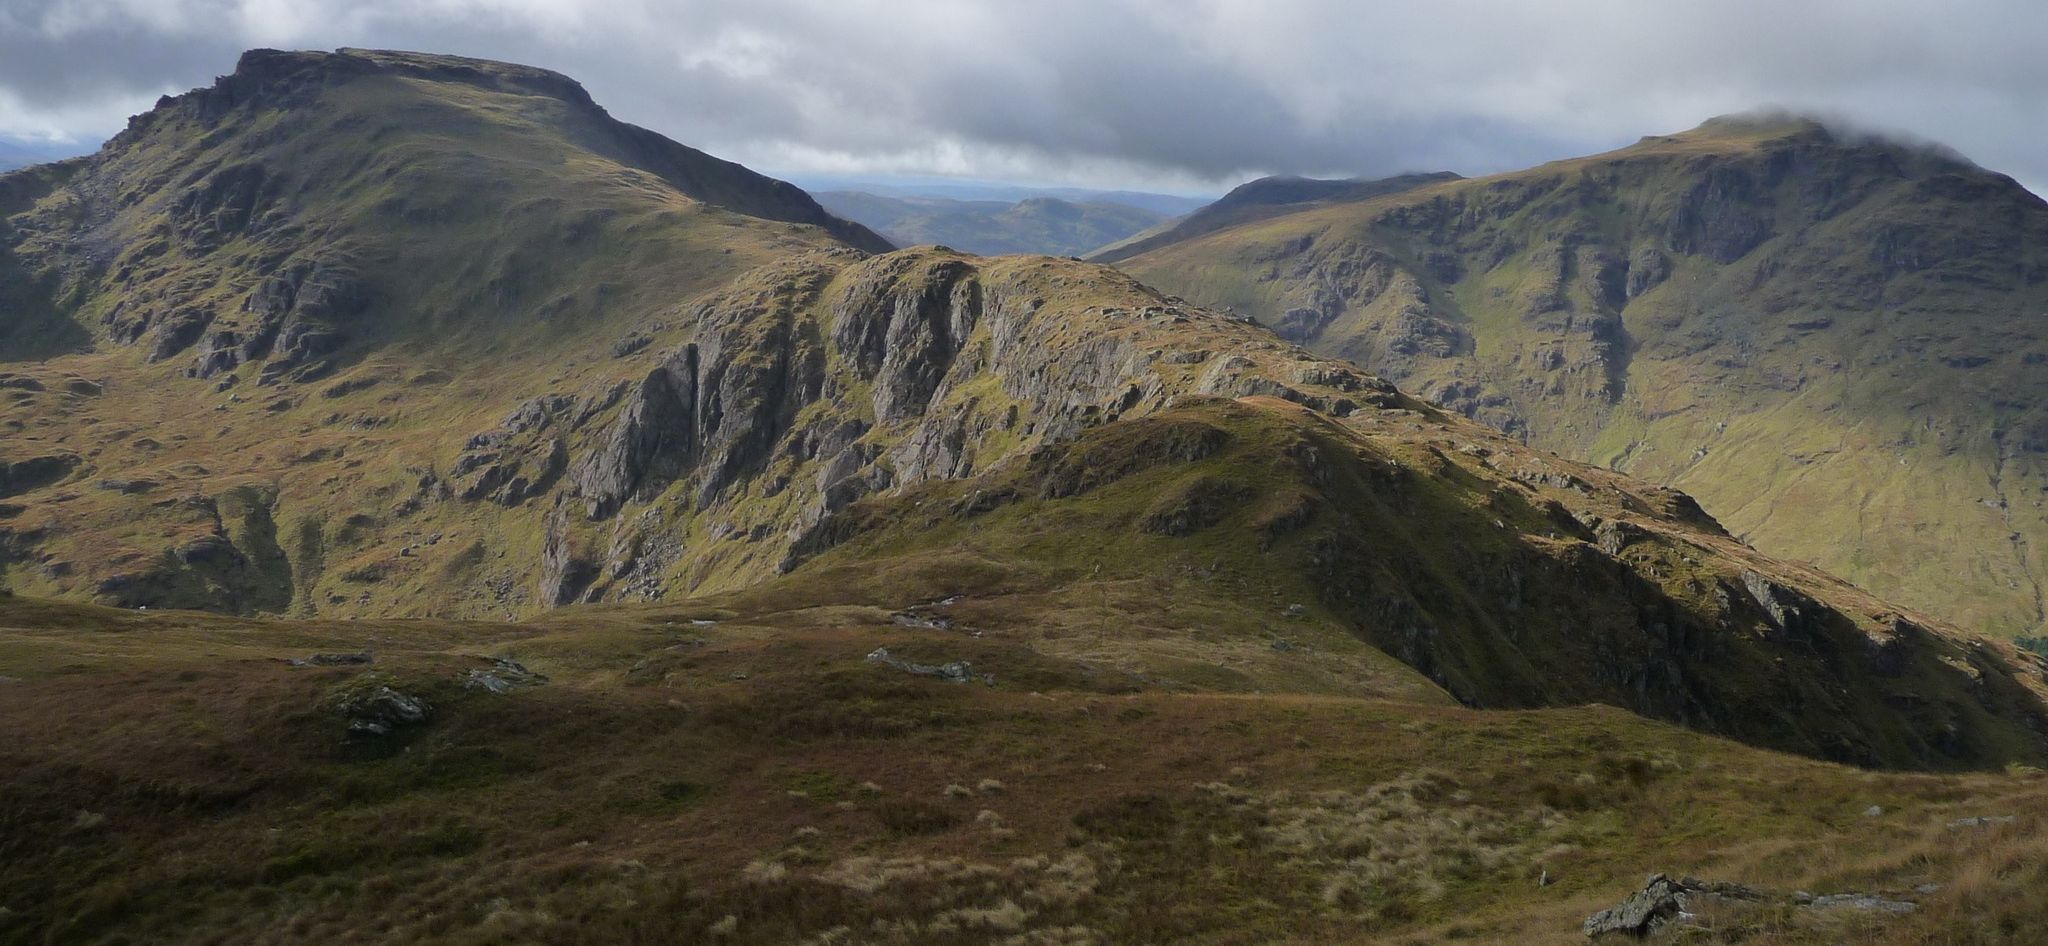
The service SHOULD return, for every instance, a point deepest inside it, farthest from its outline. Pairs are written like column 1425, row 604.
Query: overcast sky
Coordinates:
column 1155, row 94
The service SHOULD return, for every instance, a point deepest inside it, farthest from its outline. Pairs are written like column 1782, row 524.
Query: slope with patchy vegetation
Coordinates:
column 1834, row 341
column 738, row 770
column 847, row 596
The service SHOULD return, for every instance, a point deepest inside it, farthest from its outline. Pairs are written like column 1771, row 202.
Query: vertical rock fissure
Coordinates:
column 2022, row 551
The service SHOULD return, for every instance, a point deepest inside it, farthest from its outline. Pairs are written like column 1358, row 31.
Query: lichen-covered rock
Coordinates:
column 375, row 710
column 503, row 676
column 829, row 378
column 1662, row 901
column 519, row 459
column 957, row 671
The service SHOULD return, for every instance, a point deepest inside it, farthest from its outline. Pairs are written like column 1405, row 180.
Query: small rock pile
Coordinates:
column 958, row 671
column 1663, row 902
column 502, row 676
column 334, row 660
column 378, row 711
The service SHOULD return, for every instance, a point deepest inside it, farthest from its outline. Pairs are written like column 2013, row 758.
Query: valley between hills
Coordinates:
column 435, row 511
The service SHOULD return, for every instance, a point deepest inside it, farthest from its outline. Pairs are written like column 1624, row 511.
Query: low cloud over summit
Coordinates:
column 1161, row 95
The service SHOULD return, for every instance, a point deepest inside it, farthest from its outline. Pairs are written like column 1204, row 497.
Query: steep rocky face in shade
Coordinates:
column 1505, row 576
column 1834, row 341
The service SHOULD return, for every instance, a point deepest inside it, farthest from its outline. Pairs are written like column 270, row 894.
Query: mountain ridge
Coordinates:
column 367, row 343
column 1689, row 308
column 279, row 74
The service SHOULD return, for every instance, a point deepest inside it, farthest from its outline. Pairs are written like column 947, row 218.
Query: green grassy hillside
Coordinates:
column 1833, row 341
column 1504, row 579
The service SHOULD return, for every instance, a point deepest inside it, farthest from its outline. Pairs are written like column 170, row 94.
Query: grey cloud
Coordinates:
column 1160, row 93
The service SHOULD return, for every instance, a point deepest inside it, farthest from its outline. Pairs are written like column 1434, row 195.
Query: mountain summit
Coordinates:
column 1832, row 338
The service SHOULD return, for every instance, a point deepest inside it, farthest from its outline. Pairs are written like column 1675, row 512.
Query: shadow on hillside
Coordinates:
column 33, row 326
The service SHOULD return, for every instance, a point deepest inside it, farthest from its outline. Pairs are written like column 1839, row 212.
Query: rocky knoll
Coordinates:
column 819, row 381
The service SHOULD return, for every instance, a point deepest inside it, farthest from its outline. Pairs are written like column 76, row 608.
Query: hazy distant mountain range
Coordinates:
column 15, row 154
column 1048, row 225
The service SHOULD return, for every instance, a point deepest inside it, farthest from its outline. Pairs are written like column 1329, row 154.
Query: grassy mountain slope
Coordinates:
column 733, row 769
column 1043, row 225
column 1833, row 341
column 1505, row 579
column 328, row 254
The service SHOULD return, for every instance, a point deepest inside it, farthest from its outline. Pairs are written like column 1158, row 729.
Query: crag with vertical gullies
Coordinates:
column 1834, row 340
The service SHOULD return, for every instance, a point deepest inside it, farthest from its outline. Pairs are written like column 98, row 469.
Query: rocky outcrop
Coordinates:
column 900, row 323
column 519, row 459
column 1674, row 910
column 716, row 407
column 502, row 676
column 566, row 567
column 957, row 671
column 35, row 472
column 374, row 710
column 1662, row 901
column 651, row 442
column 301, row 313
column 1790, row 612
column 820, row 381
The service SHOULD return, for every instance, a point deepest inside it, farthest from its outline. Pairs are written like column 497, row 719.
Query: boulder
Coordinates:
column 1661, row 901
column 32, row 473
column 378, row 711
column 503, row 676
column 334, row 660
column 958, row 671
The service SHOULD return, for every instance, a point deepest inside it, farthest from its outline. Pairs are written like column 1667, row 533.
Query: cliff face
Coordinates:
column 814, row 383
column 1832, row 340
